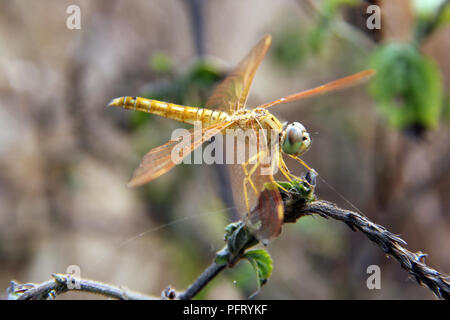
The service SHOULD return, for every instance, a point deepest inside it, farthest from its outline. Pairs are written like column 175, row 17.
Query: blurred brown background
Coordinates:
column 65, row 158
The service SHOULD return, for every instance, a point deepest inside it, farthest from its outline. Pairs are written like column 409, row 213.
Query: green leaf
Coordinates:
column 160, row 62
column 239, row 238
column 290, row 47
column 444, row 17
column 262, row 264
column 407, row 87
column 446, row 112
column 232, row 227
column 330, row 7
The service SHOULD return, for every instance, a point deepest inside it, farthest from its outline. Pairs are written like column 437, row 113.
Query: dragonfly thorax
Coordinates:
column 257, row 118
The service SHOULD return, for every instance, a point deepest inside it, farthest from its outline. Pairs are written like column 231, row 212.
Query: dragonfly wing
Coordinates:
column 269, row 214
column 232, row 93
column 255, row 192
column 330, row 86
column 163, row 158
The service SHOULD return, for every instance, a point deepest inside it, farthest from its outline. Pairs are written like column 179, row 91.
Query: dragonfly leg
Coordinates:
column 306, row 166
column 285, row 173
column 246, row 195
column 301, row 161
column 284, row 170
column 248, row 180
column 280, row 186
column 248, row 174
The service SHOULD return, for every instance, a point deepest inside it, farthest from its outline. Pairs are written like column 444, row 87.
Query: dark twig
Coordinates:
column 210, row 273
column 196, row 14
column 62, row 283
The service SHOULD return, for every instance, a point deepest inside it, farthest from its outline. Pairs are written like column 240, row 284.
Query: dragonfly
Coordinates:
column 255, row 190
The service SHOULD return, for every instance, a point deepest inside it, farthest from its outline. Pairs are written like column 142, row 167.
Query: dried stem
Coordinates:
column 62, row 283
column 391, row 244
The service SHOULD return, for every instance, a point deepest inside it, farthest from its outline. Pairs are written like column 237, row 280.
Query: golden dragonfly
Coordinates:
column 254, row 186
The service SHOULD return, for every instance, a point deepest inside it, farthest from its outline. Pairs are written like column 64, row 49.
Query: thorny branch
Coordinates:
column 414, row 263
column 299, row 202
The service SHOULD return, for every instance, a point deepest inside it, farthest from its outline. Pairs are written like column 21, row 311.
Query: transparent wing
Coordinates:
column 232, row 93
column 331, row 86
column 254, row 190
column 163, row 158
column 269, row 214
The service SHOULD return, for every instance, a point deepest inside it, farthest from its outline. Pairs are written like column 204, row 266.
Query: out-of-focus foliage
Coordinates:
column 327, row 13
column 427, row 8
column 190, row 88
column 161, row 63
column 407, row 86
column 430, row 15
column 295, row 43
column 331, row 7
column 445, row 17
column 290, row 48
column 446, row 112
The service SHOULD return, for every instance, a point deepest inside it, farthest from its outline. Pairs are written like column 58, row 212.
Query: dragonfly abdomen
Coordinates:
column 186, row 114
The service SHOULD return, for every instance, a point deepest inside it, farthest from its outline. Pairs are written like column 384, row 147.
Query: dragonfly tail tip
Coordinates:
column 112, row 103
column 132, row 184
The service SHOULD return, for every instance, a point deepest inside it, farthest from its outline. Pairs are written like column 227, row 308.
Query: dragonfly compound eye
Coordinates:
column 296, row 139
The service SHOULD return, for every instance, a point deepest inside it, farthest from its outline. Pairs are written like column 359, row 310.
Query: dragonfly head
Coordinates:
column 295, row 139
